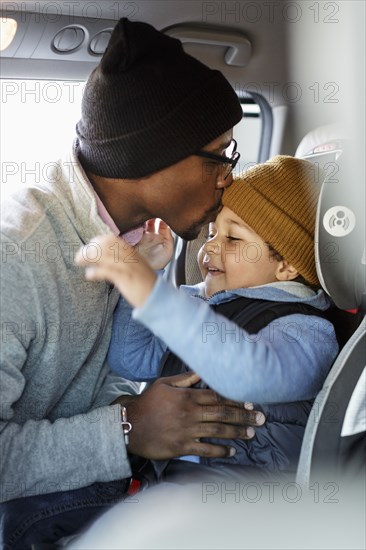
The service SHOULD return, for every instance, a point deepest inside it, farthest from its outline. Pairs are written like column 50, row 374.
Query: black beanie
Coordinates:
column 148, row 105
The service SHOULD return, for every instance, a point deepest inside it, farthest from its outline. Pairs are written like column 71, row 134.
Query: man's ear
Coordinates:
column 286, row 271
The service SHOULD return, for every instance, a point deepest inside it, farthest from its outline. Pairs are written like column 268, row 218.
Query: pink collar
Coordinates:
column 132, row 237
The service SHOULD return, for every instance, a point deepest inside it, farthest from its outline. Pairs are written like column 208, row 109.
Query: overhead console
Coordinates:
column 40, row 42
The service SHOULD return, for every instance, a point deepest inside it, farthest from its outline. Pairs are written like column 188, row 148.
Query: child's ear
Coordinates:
column 286, row 271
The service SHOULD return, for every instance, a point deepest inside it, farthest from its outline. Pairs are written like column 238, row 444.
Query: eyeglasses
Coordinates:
column 229, row 160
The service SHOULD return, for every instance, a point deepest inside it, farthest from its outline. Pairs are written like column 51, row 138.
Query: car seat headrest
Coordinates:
column 323, row 140
column 340, row 235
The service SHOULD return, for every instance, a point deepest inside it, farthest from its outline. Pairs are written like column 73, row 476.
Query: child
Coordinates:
column 259, row 254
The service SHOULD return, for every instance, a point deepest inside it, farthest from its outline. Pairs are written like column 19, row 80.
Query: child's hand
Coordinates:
column 156, row 245
column 110, row 258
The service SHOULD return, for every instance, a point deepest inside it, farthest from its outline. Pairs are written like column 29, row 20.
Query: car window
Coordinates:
column 248, row 134
column 38, row 120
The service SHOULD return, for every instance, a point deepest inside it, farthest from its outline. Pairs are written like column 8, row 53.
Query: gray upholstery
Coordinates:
column 316, row 458
column 340, row 255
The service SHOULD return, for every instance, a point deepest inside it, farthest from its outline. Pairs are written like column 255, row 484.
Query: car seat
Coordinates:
column 335, row 437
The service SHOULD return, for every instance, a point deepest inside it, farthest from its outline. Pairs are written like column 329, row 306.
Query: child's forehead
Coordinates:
column 228, row 217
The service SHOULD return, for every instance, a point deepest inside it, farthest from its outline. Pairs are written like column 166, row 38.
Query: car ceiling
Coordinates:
column 295, row 50
column 261, row 32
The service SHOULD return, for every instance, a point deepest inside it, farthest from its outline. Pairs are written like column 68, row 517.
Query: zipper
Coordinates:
column 102, row 324
column 207, row 300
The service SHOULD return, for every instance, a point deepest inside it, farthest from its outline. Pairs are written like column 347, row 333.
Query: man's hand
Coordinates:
column 170, row 417
column 157, row 244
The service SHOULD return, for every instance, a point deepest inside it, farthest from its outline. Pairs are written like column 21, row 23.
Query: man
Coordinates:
column 148, row 109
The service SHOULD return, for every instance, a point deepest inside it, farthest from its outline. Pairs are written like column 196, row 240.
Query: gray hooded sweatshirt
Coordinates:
column 58, row 429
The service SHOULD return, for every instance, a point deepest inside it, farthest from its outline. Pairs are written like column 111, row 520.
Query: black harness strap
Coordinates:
column 251, row 315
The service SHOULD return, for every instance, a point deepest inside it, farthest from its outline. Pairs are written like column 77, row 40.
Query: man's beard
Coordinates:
column 210, row 215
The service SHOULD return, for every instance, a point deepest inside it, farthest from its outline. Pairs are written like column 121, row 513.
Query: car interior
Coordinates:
column 298, row 69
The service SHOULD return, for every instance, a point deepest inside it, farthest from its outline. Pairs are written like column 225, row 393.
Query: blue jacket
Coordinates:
column 282, row 367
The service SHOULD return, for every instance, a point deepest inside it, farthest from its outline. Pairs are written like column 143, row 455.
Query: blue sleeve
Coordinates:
column 286, row 361
column 134, row 352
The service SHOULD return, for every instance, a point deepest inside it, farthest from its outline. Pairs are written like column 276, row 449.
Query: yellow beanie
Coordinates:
column 278, row 199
